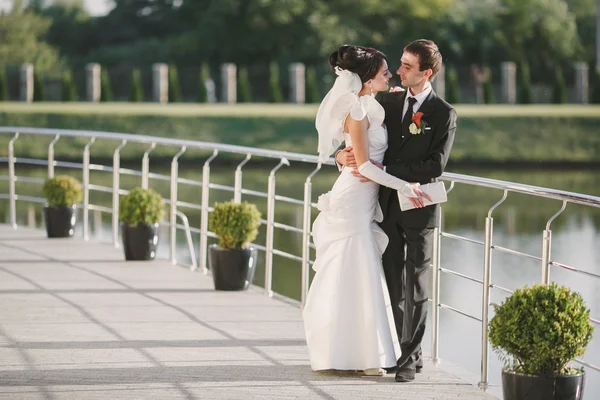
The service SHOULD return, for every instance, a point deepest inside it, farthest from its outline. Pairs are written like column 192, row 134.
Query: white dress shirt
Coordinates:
column 420, row 97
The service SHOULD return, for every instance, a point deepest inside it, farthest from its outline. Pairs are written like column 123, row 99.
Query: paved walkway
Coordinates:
column 78, row 322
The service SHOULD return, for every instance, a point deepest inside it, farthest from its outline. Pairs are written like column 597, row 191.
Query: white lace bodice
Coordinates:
column 377, row 132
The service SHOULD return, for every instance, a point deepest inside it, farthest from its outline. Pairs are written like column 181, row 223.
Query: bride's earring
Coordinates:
column 371, row 87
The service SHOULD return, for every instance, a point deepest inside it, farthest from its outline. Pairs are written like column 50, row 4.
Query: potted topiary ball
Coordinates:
column 232, row 261
column 62, row 194
column 140, row 211
column 538, row 331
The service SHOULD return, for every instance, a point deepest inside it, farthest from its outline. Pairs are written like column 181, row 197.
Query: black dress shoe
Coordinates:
column 405, row 374
column 391, row 369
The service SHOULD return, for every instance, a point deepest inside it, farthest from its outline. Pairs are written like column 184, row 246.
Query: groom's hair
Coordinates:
column 363, row 61
column 429, row 55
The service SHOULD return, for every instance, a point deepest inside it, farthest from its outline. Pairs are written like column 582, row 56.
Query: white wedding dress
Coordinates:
column 348, row 319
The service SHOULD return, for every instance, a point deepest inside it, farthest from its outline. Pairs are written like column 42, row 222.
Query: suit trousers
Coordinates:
column 407, row 268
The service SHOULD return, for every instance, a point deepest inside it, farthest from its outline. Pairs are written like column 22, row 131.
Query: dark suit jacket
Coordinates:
column 416, row 158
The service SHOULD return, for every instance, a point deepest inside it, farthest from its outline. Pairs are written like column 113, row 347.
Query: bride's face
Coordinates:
column 380, row 82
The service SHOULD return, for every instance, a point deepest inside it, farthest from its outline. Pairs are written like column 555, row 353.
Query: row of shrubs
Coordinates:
column 136, row 92
column 235, row 224
column 313, row 95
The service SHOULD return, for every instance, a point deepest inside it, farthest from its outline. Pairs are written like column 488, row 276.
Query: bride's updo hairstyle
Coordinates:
column 363, row 61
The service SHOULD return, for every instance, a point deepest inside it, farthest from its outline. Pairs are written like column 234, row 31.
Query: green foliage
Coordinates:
column 244, row 92
column 452, row 86
column 524, row 84
column 62, row 190
column 3, row 86
column 595, row 83
column 174, row 89
column 559, row 89
column 236, row 224
column 106, row 93
column 22, row 34
column 69, row 90
column 136, row 93
column 541, row 329
column 39, row 94
column 275, row 95
column 141, row 206
column 311, row 86
column 204, row 76
column 488, row 88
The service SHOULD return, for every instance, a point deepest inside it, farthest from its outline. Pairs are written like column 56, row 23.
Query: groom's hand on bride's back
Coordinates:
column 346, row 158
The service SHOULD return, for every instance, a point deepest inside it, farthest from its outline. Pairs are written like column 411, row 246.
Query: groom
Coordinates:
column 414, row 156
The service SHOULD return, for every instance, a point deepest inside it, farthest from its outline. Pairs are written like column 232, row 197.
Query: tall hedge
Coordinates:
column 275, row 95
column 105, row 86
column 174, row 89
column 39, row 92
column 136, row 93
column 311, row 86
column 69, row 90
column 244, row 90
column 524, row 85
column 559, row 90
column 452, row 86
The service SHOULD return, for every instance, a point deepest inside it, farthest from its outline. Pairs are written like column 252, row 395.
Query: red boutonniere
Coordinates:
column 418, row 126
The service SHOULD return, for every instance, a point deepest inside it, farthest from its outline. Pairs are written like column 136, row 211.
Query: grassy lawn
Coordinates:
column 496, row 133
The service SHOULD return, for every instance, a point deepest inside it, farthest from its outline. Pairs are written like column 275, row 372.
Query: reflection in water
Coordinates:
column 518, row 224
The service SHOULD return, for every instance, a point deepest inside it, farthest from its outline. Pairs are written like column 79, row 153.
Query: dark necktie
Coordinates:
column 408, row 117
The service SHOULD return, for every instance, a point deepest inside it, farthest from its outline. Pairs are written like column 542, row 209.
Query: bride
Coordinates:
column 348, row 318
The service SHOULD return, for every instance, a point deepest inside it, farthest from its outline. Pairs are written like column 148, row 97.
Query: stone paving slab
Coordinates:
column 78, row 322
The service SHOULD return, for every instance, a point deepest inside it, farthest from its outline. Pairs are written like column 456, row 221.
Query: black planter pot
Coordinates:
column 139, row 242
column 232, row 269
column 60, row 221
column 518, row 386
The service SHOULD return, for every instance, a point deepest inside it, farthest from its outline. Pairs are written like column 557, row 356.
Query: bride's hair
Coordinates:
column 363, row 61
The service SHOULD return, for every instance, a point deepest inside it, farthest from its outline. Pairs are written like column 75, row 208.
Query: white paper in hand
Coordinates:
column 435, row 190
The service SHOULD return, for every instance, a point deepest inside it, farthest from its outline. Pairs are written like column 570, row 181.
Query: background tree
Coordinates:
column 136, row 93
column 22, row 35
column 244, row 90
column 39, row 94
column 275, row 95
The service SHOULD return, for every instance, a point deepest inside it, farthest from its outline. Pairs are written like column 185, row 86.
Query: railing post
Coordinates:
column 237, row 190
column 146, row 166
column 51, row 156
column 485, row 304
column 11, row 181
column 203, row 250
column 435, row 285
column 115, row 193
column 173, row 219
column 547, row 245
column 86, row 187
column 306, row 236
column 270, row 228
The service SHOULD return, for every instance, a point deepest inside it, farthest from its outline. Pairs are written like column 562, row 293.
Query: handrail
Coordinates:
column 576, row 198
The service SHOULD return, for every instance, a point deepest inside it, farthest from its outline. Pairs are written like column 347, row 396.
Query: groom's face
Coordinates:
column 408, row 71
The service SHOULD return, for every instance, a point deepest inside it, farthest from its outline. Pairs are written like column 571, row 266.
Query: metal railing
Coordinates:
column 272, row 197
